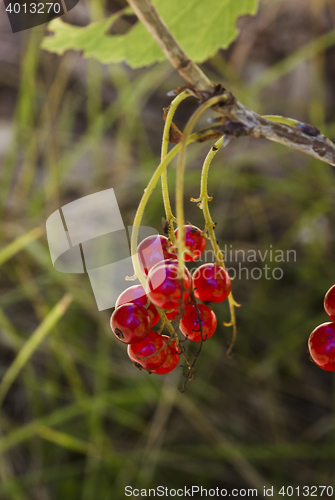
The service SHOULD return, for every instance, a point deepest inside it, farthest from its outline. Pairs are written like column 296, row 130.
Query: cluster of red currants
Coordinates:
column 321, row 342
column 135, row 310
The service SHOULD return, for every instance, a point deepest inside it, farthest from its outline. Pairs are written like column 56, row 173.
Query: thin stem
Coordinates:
column 165, row 143
column 159, row 31
column 191, row 370
column 196, row 137
column 204, row 200
column 180, row 176
column 137, row 222
column 141, row 207
column 139, row 215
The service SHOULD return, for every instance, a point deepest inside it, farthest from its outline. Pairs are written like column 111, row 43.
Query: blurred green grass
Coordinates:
column 79, row 421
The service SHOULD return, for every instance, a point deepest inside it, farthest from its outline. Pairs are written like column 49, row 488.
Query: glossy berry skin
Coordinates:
column 164, row 285
column 172, row 358
column 189, row 325
column 136, row 295
column 195, row 243
column 130, row 323
column 321, row 346
column 329, row 303
column 150, row 353
column 211, row 283
column 154, row 249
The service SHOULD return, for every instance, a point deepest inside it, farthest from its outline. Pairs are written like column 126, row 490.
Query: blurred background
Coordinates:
column 78, row 420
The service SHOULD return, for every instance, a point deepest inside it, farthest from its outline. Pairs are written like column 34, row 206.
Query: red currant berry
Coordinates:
column 154, row 249
column 150, row 353
column 195, row 243
column 211, row 283
column 136, row 295
column 329, row 303
column 321, row 345
column 130, row 323
column 189, row 324
column 164, row 285
column 172, row 358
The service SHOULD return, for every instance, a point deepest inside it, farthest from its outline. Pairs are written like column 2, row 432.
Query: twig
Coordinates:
column 190, row 374
column 239, row 119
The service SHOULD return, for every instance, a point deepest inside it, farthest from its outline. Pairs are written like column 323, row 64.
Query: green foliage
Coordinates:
column 200, row 27
column 79, row 422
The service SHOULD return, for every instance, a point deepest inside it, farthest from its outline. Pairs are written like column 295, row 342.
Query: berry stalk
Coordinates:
column 139, row 215
column 164, row 151
column 197, row 136
column 180, row 175
column 203, row 201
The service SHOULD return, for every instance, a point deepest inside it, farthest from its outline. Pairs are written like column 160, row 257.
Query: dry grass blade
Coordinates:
column 240, row 463
column 21, row 242
column 68, row 441
column 32, row 344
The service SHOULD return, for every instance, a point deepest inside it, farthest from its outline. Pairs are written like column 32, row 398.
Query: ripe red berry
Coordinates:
column 164, row 285
column 150, row 353
column 329, row 303
column 211, row 283
column 189, row 324
column 195, row 243
column 136, row 295
column 321, row 345
column 130, row 323
column 172, row 359
column 154, row 249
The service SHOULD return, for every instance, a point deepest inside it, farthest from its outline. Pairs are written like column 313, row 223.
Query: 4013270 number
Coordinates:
column 34, row 8
column 307, row 491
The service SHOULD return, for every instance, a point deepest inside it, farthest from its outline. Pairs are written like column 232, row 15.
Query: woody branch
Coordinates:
column 236, row 119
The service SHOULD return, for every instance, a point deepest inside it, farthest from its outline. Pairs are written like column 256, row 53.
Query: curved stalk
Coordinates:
column 180, row 175
column 164, row 150
column 138, row 219
column 204, row 200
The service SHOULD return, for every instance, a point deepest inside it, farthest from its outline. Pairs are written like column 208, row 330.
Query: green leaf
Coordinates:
column 201, row 27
